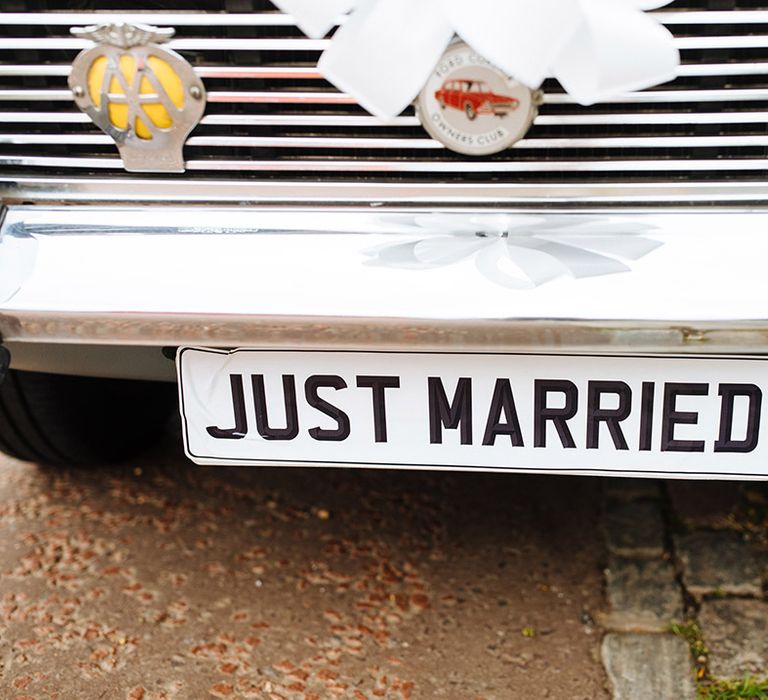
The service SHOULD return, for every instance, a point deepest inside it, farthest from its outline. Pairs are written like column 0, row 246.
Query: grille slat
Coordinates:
column 174, row 19
column 276, row 19
column 273, row 120
column 344, row 120
column 308, row 73
column 302, row 44
column 325, row 142
column 338, row 98
column 254, row 44
column 244, row 72
column 405, row 166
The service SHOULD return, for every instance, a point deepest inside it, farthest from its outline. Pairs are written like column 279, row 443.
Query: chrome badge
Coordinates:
column 146, row 97
column 472, row 107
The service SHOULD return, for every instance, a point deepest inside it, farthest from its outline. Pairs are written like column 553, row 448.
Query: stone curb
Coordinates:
column 721, row 571
column 719, row 563
column 736, row 637
column 645, row 666
column 641, row 659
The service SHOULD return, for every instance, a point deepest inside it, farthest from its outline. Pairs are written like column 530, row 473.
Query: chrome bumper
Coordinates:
column 617, row 281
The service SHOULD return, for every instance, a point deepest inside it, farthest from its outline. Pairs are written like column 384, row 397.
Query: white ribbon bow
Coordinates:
column 386, row 49
column 519, row 251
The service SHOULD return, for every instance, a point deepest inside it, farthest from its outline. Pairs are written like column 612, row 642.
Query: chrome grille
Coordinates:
column 274, row 129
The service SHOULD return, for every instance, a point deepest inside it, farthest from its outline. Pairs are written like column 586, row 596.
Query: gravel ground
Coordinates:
column 159, row 579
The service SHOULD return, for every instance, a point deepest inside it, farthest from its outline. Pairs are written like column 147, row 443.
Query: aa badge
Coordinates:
column 145, row 96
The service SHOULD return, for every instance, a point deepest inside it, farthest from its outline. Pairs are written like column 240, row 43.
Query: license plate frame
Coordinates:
column 420, row 408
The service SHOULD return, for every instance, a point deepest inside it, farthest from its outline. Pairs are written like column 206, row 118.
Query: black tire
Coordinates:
column 469, row 110
column 80, row 421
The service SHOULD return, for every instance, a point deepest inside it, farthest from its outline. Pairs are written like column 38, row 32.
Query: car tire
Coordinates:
column 470, row 111
column 80, row 421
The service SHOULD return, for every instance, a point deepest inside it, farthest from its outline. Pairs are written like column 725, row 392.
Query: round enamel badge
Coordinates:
column 472, row 107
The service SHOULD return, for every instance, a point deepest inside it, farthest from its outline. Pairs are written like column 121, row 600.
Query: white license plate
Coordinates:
column 675, row 416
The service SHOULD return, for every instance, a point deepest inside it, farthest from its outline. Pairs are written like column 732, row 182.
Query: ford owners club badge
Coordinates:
column 472, row 107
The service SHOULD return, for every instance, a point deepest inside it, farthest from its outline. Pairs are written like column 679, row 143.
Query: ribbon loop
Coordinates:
column 386, row 50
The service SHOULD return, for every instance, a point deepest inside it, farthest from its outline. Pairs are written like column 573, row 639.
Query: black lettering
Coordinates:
column 542, row 413
column 672, row 417
column 378, row 385
column 503, row 402
column 331, row 381
column 238, row 406
column 457, row 413
column 291, row 429
column 646, row 416
column 725, row 442
column 612, row 417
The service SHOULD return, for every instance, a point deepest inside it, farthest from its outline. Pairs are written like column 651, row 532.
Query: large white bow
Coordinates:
column 386, row 49
column 519, row 251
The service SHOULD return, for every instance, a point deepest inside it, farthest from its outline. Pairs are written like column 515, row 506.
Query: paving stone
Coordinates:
column 643, row 595
column 628, row 490
column 710, row 504
column 634, row 530
column 645, row 666
column 735, row 632
column 719, row 562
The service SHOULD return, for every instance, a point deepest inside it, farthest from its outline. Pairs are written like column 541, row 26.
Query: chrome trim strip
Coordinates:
column 21, row 189
column 703, row 69
column 178, row 19
column 553, row 336
column 18, row 70
column 255, row 72
column 307, row 120
column 255, row 44
column 313, row 142
column 303, row 44
column 203, row 19
column 44, row 118
column 471, row 166
column 722, row 42
column 302, row 278
column 326, row 98
column 292, row 44
column 712, row 16
column 310, row 142
column 671, row 95
column 36, row 95
column 742, row 117
column 310, row 73
column 266, row 97
column 410, row 166
column 240, row 119
column 64, row 162
column 298, row 98
column 236, row 141
column 260, row 72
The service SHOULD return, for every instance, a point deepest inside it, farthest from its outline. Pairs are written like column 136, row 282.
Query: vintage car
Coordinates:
column 474, row 97
column 310, row 284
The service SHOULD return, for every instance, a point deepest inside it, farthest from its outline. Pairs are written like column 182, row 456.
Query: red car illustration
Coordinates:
column 474, row 97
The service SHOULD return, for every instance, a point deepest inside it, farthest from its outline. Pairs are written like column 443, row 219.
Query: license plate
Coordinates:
column 641, row 415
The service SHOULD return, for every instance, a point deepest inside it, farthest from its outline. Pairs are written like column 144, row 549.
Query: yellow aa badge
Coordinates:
column 146, row 97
